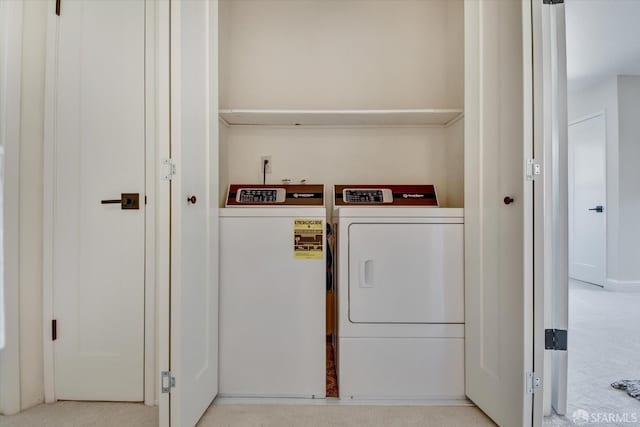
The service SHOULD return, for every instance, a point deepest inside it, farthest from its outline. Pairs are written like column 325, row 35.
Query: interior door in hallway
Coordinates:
column 587, row 197
column 98, row 242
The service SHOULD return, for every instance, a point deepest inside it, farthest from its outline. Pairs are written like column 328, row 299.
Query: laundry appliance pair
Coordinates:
column 400, row 295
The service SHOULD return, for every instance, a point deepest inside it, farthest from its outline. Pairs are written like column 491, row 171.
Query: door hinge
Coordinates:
column 169, row 169
column 54, row 330
column 533, row 169
column 552, row 2
column 58, row 7
column 555, row 339
column 534, row 383
column 167, row 381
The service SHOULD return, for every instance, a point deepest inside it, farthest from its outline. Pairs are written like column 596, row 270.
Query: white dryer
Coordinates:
column 273, row 292
column 400, row 281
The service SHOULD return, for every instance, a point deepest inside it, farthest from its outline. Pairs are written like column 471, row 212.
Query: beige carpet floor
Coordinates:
column 89, row 414
column 342, row 416
column 603, row 348
column 84, row 414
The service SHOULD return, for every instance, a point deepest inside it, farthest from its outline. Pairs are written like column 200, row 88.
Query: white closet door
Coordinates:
column 99, row 152
column 498, row 300
column 194, row 207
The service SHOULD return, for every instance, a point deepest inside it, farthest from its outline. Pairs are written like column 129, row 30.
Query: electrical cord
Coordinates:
column 264, row 172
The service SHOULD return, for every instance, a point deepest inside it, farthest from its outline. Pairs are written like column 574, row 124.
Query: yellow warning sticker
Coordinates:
column 308, row 242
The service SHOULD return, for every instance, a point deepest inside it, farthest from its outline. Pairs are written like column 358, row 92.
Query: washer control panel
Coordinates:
column 367, row 195
column 261, row 195
column 275, row 195
column 385, row 195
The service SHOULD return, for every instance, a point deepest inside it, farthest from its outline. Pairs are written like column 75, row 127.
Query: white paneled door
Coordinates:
column 587, row 197
column 498, row 211
column 98, row 242
column 194, row 210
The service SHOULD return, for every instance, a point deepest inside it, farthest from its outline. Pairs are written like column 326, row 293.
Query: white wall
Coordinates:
column 31, row 194
column 10, row 75
column 629, row 179
column 29, row 203
column 619, row 98
column 346, row 54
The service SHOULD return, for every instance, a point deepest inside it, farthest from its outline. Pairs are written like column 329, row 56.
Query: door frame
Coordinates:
column 156, row 219
column 550, row 194
column 10, row 112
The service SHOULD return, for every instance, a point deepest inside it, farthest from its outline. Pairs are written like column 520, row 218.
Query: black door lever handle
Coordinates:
column 126, row 201
column 597, row 209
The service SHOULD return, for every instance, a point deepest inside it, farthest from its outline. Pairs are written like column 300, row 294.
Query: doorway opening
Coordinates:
column 603, row 143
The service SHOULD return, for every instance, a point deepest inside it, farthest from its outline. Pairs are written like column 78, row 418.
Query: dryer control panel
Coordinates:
column 261, row 195
column 367, row 195
column 385, row 195
column 275, row 195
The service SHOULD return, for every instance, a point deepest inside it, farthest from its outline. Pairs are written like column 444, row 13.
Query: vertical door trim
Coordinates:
column 550, row 199
column 163, row 201
column 528, row 139
column 537, row 66
column 156, row 227
column 47, row 206
column 529, row 133
column 155, row 137
column 150, row 202
column 175, row 238
column 11, row 63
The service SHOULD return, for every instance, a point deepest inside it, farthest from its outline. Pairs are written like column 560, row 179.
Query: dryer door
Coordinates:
column 406, row 273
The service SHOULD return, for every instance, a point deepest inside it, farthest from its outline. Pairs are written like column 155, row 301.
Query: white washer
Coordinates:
column 272, row 305
column 400, row 275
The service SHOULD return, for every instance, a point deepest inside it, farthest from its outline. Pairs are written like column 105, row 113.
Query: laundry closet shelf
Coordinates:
column 408, row 117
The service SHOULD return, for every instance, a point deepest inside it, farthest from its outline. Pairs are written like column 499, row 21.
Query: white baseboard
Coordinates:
column 332, row 401
column 623, row 285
